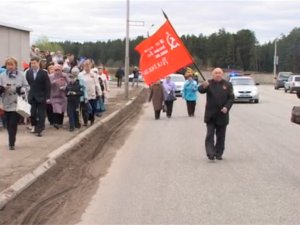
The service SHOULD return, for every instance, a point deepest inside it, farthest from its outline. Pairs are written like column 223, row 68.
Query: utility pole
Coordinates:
column 275, row 58
column 134, row 23
column 127, row 53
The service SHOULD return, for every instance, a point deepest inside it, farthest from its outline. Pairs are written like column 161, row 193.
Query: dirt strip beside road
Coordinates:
column 76, row 172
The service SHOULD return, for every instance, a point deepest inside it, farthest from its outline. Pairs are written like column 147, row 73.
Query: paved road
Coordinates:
column 161, row 174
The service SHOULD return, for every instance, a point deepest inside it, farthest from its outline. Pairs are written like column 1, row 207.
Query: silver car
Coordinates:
column 179, row 81
column 293, row 84
column 244, row 89
column 281, row 78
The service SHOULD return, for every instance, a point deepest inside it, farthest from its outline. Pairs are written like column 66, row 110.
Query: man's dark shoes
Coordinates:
column 39, row 135
column 11, row 147
column 211, row 157
column 56, row 126
column 219, row 157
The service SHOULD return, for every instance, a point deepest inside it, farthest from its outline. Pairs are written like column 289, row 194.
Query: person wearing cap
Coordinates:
column 66, row 70
column 58, row 99
column 12, row 82
column 38, row 95
column 219, row 99
column 189, row 92
column 74, row 91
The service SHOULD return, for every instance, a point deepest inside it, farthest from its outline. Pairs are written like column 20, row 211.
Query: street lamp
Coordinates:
column 152, row 25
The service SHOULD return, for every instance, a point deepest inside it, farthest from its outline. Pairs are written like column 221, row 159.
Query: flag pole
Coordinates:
column 197, row 68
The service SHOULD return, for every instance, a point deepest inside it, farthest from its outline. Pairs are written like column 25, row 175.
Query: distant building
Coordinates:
column 15, row 42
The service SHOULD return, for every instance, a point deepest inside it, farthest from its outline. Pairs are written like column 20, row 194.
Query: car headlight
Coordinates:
column 254, row 92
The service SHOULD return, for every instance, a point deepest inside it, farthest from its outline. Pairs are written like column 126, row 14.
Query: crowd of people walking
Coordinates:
column 53, row 86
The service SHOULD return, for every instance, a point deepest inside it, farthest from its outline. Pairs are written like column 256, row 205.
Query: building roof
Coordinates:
column 15, row 27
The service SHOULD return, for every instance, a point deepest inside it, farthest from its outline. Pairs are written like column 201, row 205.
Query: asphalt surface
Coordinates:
column 161, row 174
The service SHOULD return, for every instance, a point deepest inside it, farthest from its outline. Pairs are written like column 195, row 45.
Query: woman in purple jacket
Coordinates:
column 59, row 82
column 169, row 95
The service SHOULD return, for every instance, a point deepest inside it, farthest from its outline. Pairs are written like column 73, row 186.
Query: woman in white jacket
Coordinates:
column 91, row 83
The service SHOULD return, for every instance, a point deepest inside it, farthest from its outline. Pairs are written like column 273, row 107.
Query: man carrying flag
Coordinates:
column 219, row 99
column 162, row 54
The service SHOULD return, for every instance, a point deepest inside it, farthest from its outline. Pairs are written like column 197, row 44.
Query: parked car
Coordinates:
column 179, row 81
column 244, row 89
column 293, row 84
column 281, row 78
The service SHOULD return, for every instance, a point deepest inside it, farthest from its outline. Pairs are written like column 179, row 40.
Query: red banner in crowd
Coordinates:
column 162, row 53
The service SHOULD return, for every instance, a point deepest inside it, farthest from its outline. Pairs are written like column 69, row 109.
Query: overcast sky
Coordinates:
column 92, row 20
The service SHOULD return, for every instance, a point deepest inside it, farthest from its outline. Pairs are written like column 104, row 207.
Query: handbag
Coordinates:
column 171, row 96
column 89, row 108
column 164, row 108
column 295, row 117
column 23, row 107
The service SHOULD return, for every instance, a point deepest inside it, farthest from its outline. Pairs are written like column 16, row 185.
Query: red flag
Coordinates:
column 162, row 53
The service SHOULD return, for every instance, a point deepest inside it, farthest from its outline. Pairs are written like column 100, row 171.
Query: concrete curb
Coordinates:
column 23, row 183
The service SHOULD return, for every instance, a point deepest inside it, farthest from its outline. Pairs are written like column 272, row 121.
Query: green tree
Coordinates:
column 221, row 49
column 44, row 45
column 245, row 41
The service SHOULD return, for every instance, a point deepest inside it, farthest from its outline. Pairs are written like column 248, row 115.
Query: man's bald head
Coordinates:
column 217, row 74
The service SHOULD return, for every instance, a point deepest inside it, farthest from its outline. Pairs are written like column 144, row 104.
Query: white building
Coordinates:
column 15, row 42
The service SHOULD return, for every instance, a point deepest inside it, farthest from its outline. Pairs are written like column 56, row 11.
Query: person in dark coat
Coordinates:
column 157, row 97
column 38, row 95
column 74, row 91
column 219, row 99
column 136, row 74
column 119, row 75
